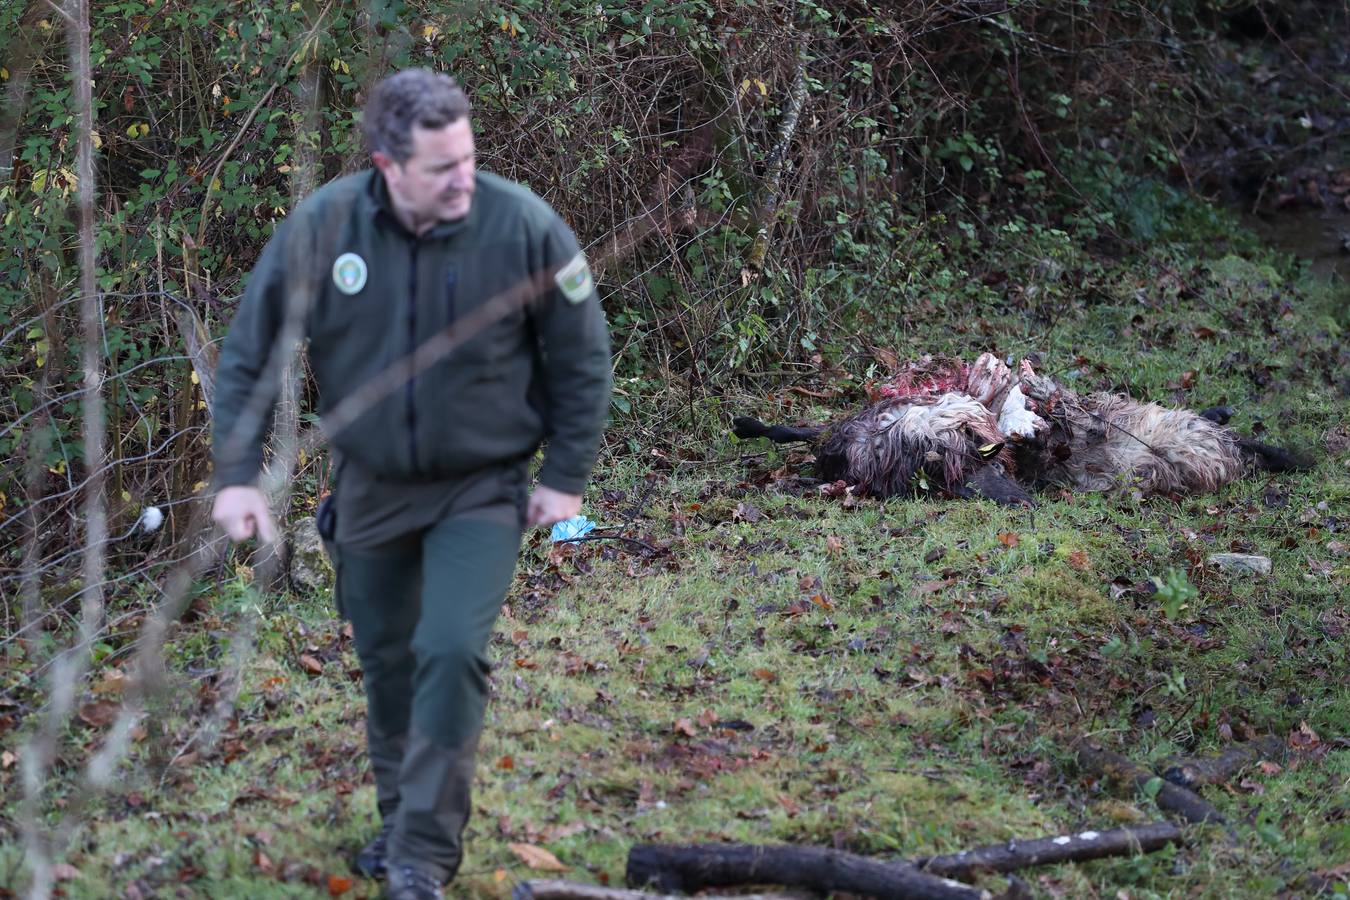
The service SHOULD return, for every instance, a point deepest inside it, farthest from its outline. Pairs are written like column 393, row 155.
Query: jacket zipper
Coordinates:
column 409, row 390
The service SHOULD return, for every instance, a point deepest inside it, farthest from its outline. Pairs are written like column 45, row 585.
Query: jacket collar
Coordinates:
column 374, row 198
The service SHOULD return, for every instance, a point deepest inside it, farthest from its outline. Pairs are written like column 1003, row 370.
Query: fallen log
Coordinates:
column 1191, row 772
column 570, row 890
column 1079, row 847
column 686, row 869
column 1170, row 797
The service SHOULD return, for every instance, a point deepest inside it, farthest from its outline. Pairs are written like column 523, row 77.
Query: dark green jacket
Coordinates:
column 540, row 371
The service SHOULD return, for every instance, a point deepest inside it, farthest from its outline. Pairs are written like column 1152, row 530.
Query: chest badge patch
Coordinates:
column 349, row 273
column 574, row 279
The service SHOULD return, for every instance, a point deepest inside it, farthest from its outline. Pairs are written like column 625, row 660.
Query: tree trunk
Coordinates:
column 91, row 316
column 767, row 212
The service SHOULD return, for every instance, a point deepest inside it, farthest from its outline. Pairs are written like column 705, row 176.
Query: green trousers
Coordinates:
column 422, row 609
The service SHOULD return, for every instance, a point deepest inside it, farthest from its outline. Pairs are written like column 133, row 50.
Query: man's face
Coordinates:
column 435, row 184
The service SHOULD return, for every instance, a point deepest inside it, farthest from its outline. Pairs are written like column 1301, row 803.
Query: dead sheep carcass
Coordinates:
column 1101, row 441
column 981, row 430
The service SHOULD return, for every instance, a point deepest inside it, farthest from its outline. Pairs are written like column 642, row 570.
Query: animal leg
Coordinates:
column 1219, row 415
column 745, row 428
column 1272, row 459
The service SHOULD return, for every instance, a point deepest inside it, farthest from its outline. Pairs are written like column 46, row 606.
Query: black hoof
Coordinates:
column 1219, row 415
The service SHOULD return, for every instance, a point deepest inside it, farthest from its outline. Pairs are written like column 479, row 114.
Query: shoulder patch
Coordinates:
column 574, row 279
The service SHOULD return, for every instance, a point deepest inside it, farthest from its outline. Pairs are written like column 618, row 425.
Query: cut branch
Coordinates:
column 1126, row 774
column 1078, row 847
column 1191, row 772
column 568, row 890
column 691, row 868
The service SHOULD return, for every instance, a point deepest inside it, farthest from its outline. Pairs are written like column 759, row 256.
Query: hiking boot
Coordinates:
column 369, row 861
column 408, row 883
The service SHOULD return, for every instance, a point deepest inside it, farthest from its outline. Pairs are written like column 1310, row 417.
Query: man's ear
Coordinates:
column 382, row 160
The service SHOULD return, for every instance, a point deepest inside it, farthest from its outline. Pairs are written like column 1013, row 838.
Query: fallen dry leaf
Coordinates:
column 1078, row 559
column 1303, row 737
column 112, row 684
column 1009, row 538
column 99, row 713
column 7, row 760
column 1341, row 871
column 338, row 885
column 65, row 872
column 310, row 664
column 185, row 760
column 765, row 674
column 684, row 727
column 746, row 512
column 558, row 832
column 537, row 858
column 507, row 763
column 834, row 544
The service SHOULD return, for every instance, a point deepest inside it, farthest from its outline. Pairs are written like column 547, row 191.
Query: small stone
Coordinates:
column 311, row 570
column 1240, row 563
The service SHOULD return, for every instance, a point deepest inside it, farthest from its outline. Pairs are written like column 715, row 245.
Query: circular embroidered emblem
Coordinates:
column 349, row 273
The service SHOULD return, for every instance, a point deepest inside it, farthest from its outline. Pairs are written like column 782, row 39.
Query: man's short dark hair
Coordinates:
column 413, row 97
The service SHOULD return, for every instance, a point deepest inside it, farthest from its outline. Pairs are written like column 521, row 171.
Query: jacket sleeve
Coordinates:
column 239, row 420
column 575, row 363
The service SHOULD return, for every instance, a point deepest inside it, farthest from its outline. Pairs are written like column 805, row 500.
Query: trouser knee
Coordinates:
column 452, row 691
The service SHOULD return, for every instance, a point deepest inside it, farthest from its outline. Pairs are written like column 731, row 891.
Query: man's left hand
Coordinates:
column 548, row 506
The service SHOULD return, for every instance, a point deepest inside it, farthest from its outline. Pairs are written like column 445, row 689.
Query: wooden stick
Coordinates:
column 1078, row 847
column 570, row 890
column 1191, row 772
column 691, row 868
column 1170, row 797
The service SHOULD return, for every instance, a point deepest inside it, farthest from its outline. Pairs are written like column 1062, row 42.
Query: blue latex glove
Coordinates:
column 575, row 527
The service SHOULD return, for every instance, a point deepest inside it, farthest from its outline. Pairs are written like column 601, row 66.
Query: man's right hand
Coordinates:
column 241, row 510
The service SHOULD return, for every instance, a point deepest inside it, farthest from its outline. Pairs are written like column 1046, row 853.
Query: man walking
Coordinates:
column 378, row 269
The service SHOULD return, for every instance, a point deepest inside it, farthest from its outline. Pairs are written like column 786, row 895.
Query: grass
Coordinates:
column 896, row 678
